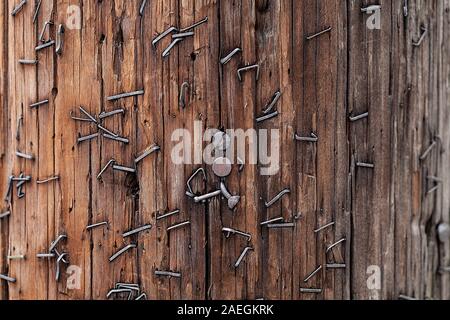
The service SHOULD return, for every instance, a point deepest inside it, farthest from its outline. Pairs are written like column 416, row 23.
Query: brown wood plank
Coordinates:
column 4, row 145
column 387, row 214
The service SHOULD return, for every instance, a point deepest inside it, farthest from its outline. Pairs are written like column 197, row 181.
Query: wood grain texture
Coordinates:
column 386, row 214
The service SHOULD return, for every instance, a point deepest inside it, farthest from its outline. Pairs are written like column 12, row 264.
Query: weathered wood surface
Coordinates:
column 386, row 215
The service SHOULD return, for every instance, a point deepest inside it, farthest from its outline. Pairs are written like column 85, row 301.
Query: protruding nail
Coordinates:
column 54, row 178
column 123, row 168
column 7, row 278
column 105, row 115
column 229, row 231
column 166, row 52
column 110, row 163
column 96, row 225
column 189, row 192
column 163, row 35
column 272, row 103
column 169, row 274
column 118, row 139
column 195, row 25
column 40, row 103
column 248, row 68
column 59, row 39
column 153, row 148
column 267, row 117
column 422, row 37
column 125, row 95
column 88, row 137
column 229, row 56
column 242, row 256
column 313, row 138
column 182, row 96
column 178, row 226
column 312, row 274
column 331, row 247
column 324, row 227
column 18, row 7
column 45, row 45
column 277, row 198
column 167, row 215
column 271, row 221
column 315, row 35
column 121, row 251
column 137, row 230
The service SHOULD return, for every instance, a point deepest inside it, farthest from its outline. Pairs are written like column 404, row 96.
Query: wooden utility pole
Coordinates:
column 370, row 81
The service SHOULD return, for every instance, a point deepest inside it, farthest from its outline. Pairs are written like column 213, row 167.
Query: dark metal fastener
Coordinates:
column 315, row 35
column 119, row 139
column 195, row 25
column 183, row 35
column 18, row 8
column 45, row 45
column 229, row 56
column 40, row 103
column 277, row 198
column 123, row 168
column 88, row 137
column 336, row 266
column 42, row 33
column 110, row 162
column 324, row 227
column 331, row 247
column 359, row 117
column 125, row 95
column 189, row 192
column 105, row 115
column 28, row 61
column 242, row 256
column 55, row 243
column 281, row 225
column 428, row 151
column 232, row 200
column 248, row 68
column 207, row 196
column 311, row 290
column 312, row 274
column 365, row 165
column 153, row 148
column 59, row 39
column 276, row 97
column 163, row 35
column 36, row 11
column 54, row 178
column 267, row 117
column 166, row 215
column 96, row 225
column 91, row 117
column 169, row 274
column 107, row 131
column 7, row 278
column 271, row 221
column 182, row 96
column 178, row 226
column 24, row 155
column 230, row 231
column 166, row 52
column 422, row 37
column 5, row 214
column 137, row 230
column 313, row 138
column 142, row 7
column 121, row 251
